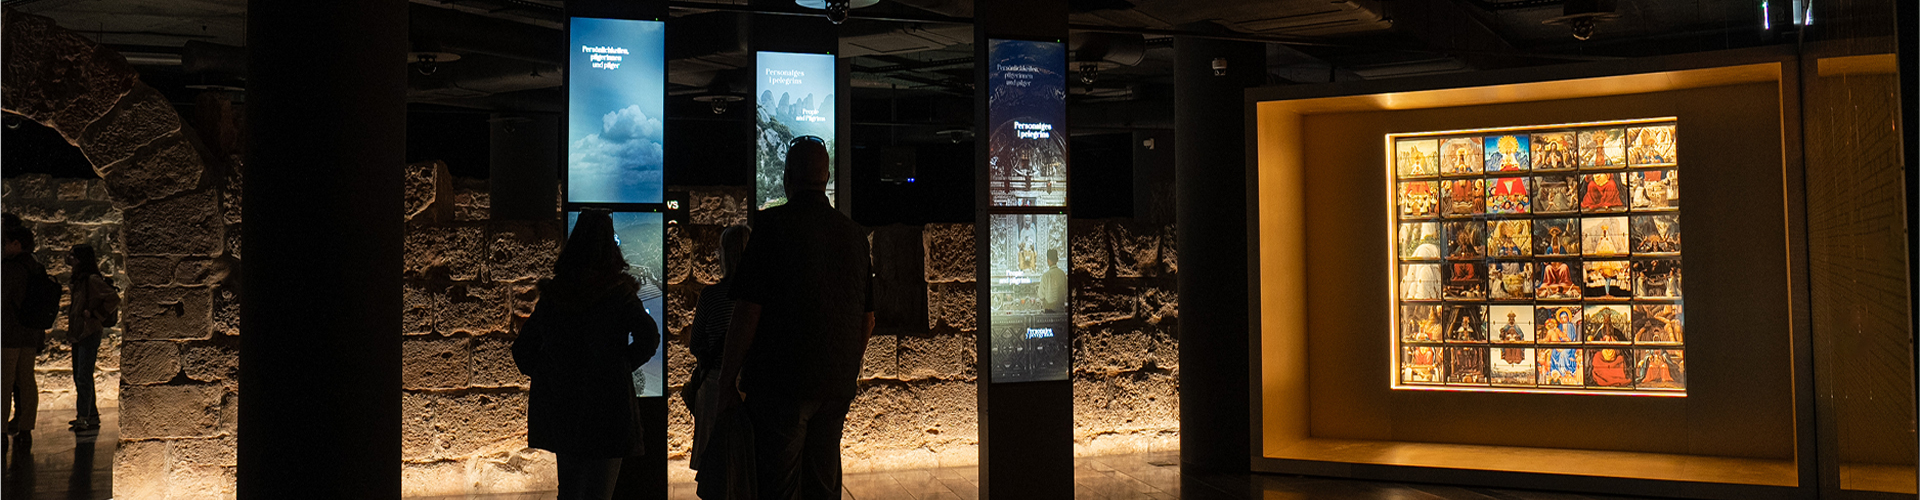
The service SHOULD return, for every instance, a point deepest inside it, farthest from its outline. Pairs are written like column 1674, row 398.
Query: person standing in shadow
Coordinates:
column 713, row 439
column 91, row 301
column 25, row 317
column 802, row 313
column 586, row 336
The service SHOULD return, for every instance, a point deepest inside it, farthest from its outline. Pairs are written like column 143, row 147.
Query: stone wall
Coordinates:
column 1126, row 351
column 64, row 213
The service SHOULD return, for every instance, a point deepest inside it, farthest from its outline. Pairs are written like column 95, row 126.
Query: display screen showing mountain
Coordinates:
column 1027, row 122
column 641, row 237
column 793, row 98
column 616, row 100
column 1029, row 297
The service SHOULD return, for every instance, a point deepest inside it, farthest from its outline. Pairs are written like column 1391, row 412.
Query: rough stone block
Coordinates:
column 226, row 311
column 470, row 204
column 1091, row 253
column 679, row 429
column 523, row 250
column 514, row 471
column 1095, row 305
column 72, row 189
column 232, row 239
column 1131, row 402
column 59, row 77
column 230, row 413
column 213, row 362
column 949, row 252
column 456, row 250
column 150, row 270
column 883, row 415
column 952, row 410
column 166, row 168
column 142, row 117
column 1160, row 305
column 197, row 481
column 1136, row 251
column 419, row 308
column 952, row 305
column 682, row 300
column 473, row 310
column 937, row 356
column 193, row 271
column 679, row 254
column 140, row 470
column 882, row 358
column 493, row 364
column 435, row 363
column 185, row 225
column 167, row 313
column 521, row 298
column 433, row 479
column 705, row 258
column 149, row 362
column 444, row 426
column 422, row 187
column 680, row 365
column 718, row 208
column 205, row 452
column 40, row 212
column 171, row 411
column 30, row 187
column 1170, row 248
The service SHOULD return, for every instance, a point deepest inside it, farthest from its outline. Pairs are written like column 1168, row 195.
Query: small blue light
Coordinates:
column 909, row 179
column 1766, row 19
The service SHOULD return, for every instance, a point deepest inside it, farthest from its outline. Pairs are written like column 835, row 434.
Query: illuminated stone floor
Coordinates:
column 49, row 473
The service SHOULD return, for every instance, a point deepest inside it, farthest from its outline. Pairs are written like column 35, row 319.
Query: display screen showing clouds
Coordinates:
column 641, row 236
column 616, row 97
column 793, row 98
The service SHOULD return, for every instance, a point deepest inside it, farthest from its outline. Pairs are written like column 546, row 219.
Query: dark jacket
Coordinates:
column 807, row 267
column 13, row 334
column 575, row 350
column 82, row 303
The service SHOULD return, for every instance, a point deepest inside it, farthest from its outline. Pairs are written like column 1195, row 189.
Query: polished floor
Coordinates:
column 61, row 464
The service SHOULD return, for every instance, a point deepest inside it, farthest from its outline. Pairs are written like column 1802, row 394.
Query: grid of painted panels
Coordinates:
column 1545, row 258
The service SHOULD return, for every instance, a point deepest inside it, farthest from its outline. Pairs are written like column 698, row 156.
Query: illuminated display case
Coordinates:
column 1538, row 259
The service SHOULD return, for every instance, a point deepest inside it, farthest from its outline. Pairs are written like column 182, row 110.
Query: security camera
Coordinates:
column 838, row 10
column 1219, row 66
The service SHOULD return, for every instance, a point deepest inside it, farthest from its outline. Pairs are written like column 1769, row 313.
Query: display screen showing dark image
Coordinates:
column 1029, row 297
column 1027, row 120
column 794, row 98
column 641, row 236
column 616, row 101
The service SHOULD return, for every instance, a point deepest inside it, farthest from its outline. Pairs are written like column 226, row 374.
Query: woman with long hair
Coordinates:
column 89, row 295
column 580, row 346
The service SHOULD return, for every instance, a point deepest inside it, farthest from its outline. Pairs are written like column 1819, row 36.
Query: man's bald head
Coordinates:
column 807, row 167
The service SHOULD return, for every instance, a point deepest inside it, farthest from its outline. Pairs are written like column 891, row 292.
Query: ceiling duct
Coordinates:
column 197, row 57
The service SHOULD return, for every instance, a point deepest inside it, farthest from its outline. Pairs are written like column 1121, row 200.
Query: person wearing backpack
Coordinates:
column 24, row 318
column 93, row 303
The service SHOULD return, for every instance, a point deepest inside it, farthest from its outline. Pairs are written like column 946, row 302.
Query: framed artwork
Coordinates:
column 1556, row 194
column 1419, row 200
column 1606, row 280
column 1655, row 234
column 1463, row 197
column 1559, row 367
column 1660, row 369
column 1656, row 279
column 1609, row 367
column 1420, row 323
column 1602, row 148
column 1651, row 146
column 1600, row 193
column 1420, row 241
column 1658, row 323
column 1606, row 324
column 1417, row 158
column 1603, row 236
column 1556, row 280
column 1557, row 324
column 1460, row 156
column 1510, row 280
column 1467, row 366
column 1654, row 189
column 1466, row 240
column 1464, row 281
column 1554, row 151
column 1556, row 237
column 1508, row 153
column 1510, row 238
column 1466, row 323
column 1538, row 259
column 1508, row 195
column 1511, row 366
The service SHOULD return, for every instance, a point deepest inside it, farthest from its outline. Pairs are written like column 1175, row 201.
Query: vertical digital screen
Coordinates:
column 793, row 98
column 616, row 103
column 1029, row 297
column 1027, row 120
column 641, row 237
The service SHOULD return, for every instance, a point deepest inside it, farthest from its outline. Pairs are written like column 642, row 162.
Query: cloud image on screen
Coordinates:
column 1027, row 120
column 1029, row 293
column 616, row 99
column 641, row 236
column 793, row 98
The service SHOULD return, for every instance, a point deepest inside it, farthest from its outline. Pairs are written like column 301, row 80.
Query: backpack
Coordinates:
column 40, row 305
column 108, row 309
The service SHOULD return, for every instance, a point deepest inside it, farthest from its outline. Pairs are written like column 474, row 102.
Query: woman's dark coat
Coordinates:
column 575, row 349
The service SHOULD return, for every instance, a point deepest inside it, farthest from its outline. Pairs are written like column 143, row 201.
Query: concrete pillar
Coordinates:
column 1213, row 186
column 320, row 360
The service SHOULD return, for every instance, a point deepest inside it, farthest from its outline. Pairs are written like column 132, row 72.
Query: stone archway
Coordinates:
column 178, row 190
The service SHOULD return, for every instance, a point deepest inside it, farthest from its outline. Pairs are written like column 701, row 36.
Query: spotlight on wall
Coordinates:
column 837, row 10
column 1581, row 15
